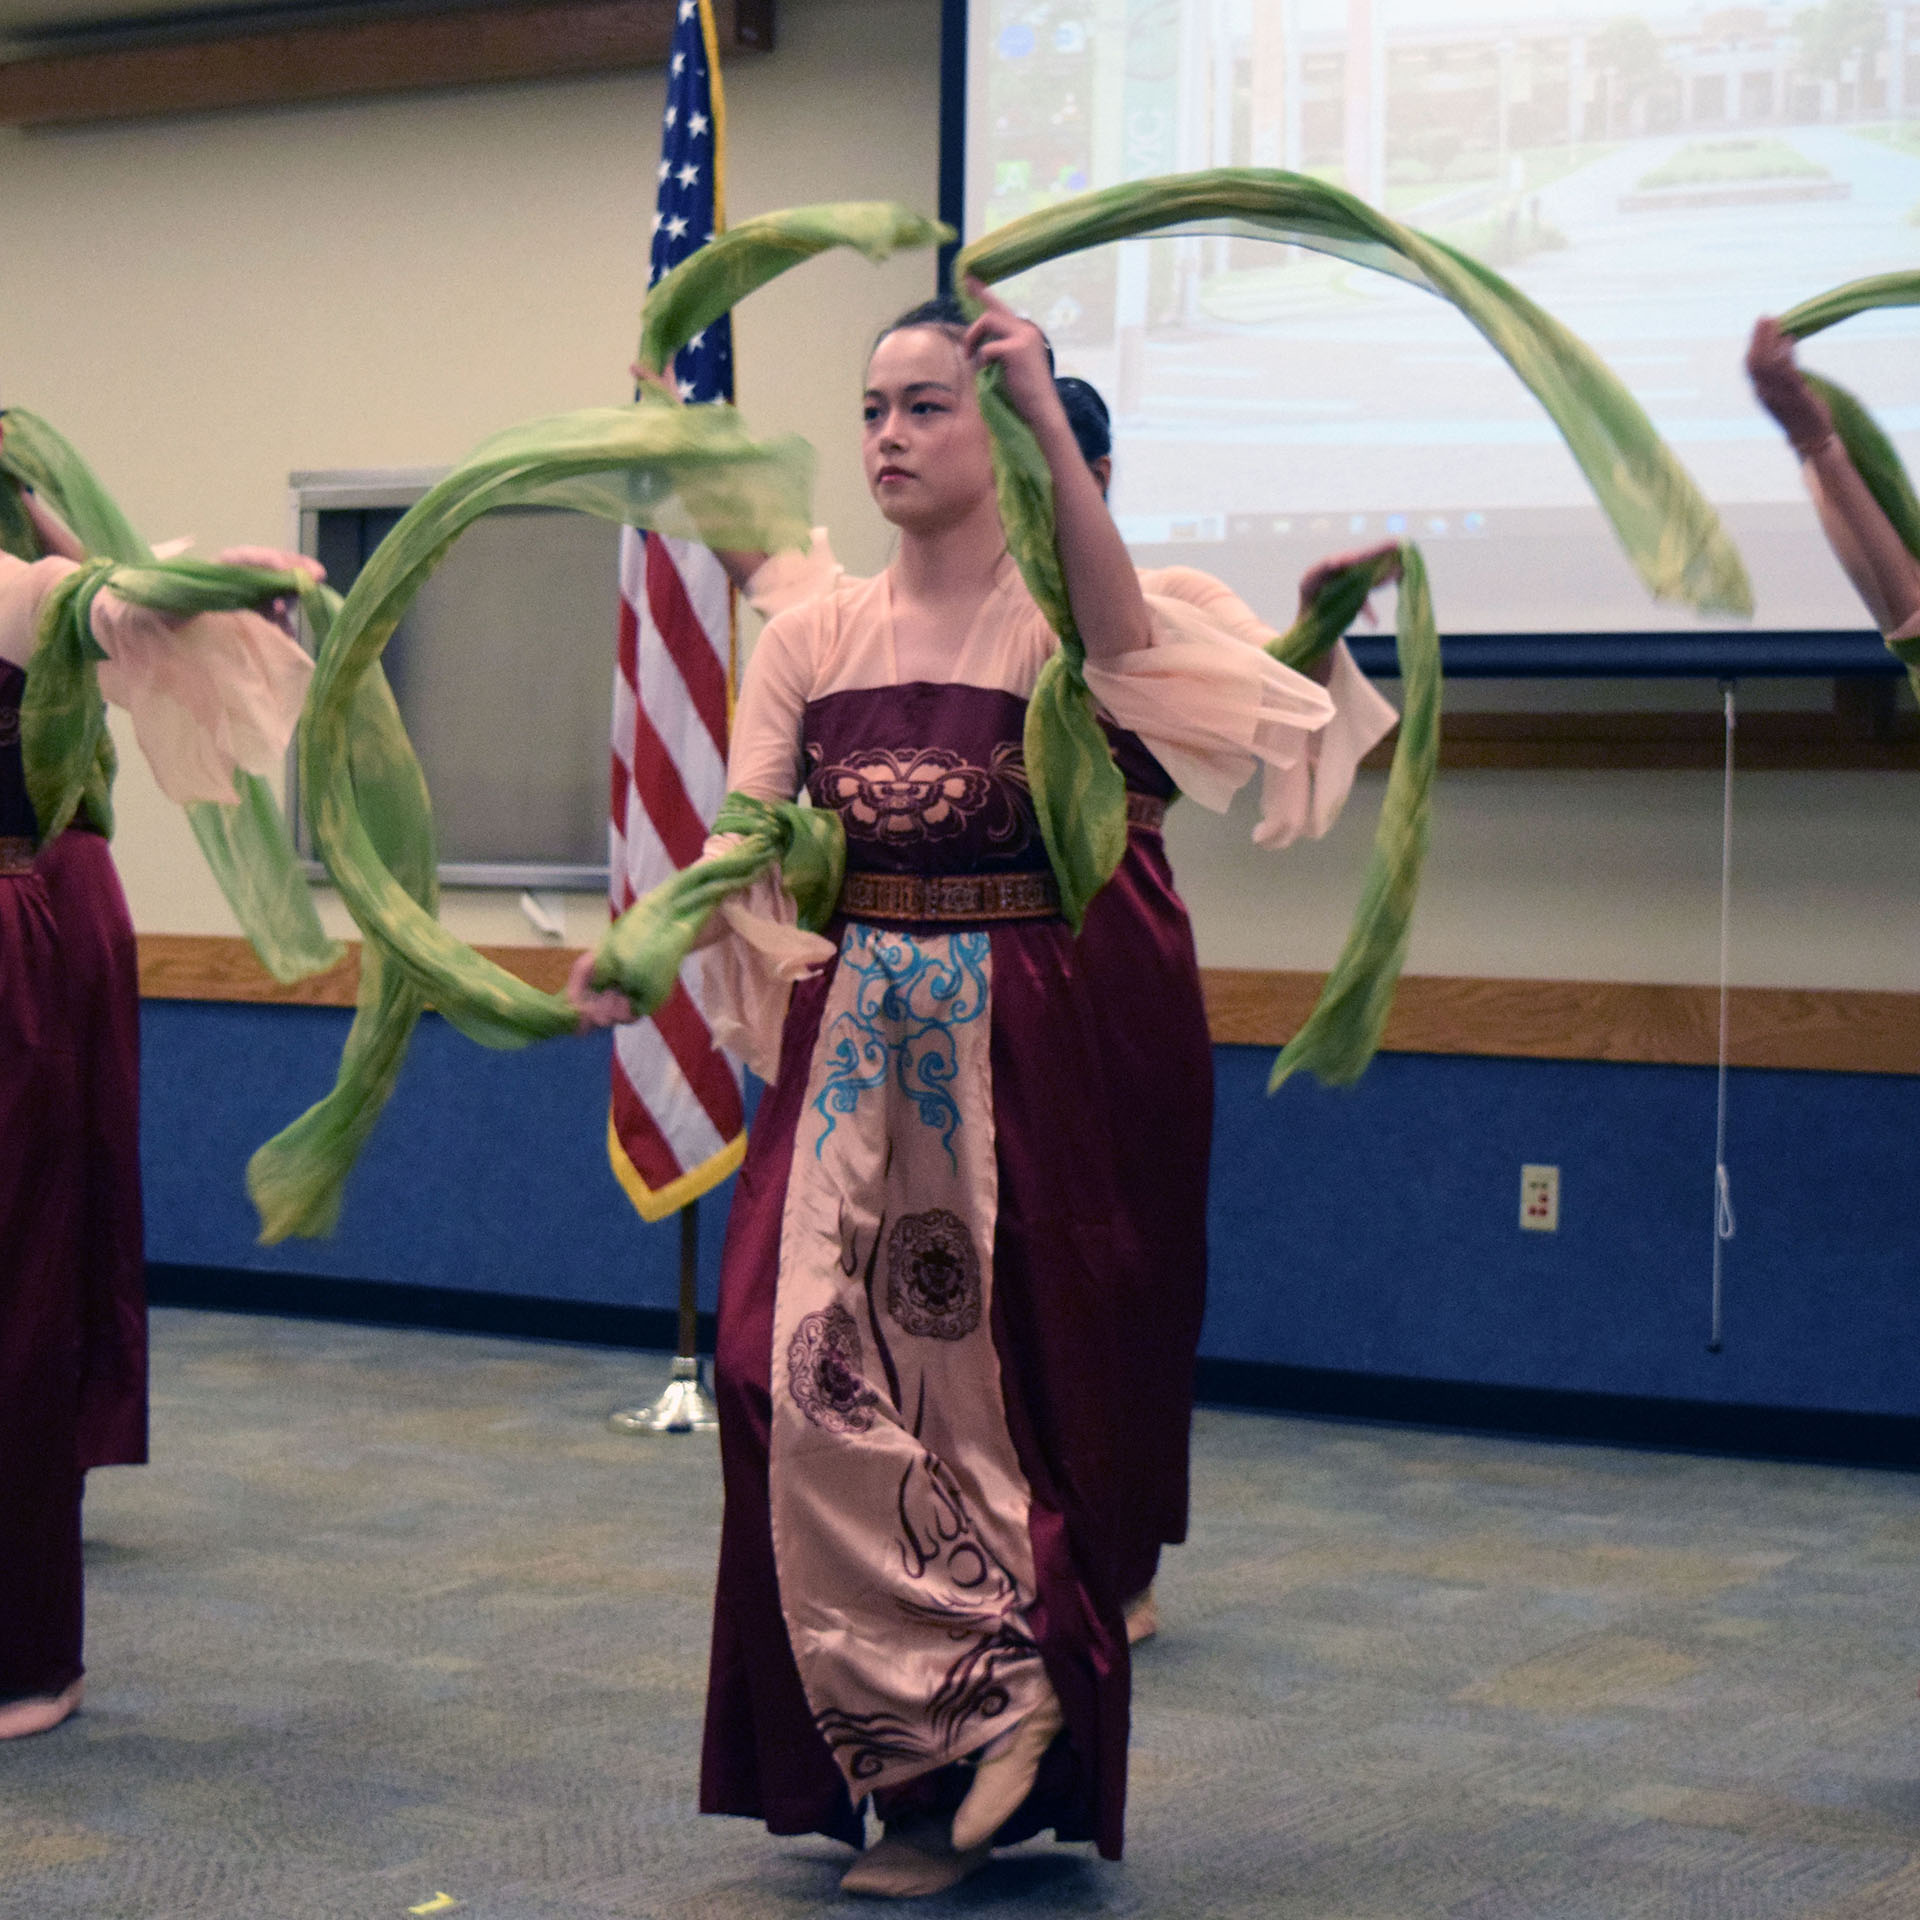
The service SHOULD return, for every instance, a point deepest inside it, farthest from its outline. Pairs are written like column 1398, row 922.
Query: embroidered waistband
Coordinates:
column 950, row 896
column 16, row 853
column 1146, row 810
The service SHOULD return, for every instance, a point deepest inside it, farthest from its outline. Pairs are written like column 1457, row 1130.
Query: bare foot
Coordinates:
column 1143, row 1617
column 38, row 1711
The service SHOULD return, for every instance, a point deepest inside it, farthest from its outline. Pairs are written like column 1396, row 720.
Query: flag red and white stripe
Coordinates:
column 676, row 1125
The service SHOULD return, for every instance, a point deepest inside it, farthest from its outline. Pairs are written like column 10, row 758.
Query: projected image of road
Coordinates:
column 1656, row 179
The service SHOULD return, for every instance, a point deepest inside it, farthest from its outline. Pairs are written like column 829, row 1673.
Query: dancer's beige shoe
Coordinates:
column 910, row 1860
column 1004, row 1775
column 1143, row 1617
column 38, row 1712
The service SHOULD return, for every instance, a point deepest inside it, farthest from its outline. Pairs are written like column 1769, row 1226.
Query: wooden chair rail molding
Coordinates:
column 208, row 966
column 247, row 61
column 1819, row 1028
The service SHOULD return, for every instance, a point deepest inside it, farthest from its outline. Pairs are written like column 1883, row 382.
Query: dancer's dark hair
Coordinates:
column 945, row 312
column 1087, row 415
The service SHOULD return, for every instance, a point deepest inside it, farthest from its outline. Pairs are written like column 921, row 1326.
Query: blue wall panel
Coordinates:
column 1377, row 1230
column 488, row 1171
column 1371, row 1231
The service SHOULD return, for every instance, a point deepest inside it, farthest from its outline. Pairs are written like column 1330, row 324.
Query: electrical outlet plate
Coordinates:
column 1540, row 1199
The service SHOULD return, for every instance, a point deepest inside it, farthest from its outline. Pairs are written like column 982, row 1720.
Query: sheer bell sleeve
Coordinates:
column 209, row 695
column 1212, row 704
column 754, row 948
column 784, row 580
column 1307, row 797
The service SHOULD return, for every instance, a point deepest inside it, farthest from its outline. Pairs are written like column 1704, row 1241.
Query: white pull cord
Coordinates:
column 1723, row 1226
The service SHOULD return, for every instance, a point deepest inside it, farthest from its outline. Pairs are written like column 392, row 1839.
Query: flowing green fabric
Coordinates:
column 65, row 745
column 714, row 280
column 1872, row 453
column 1335, row 608
column 17, row 536
column 298, row 1178
column 37, row 456
column 1669, row 532
column 63, row 721
column 692, row 472
column 1828, row 309
column 643, row 953
column 687, row 471
column 1342, row 1034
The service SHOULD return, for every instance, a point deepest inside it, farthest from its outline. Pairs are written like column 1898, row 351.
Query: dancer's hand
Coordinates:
column 661, row 383
column 53, row 533
column 1782, row 388
column 1003, row 338
column 606, row 1007
column 1315, row 581
column 275, row 560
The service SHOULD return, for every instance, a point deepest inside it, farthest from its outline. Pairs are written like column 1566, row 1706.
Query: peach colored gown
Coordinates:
column 924, row 1292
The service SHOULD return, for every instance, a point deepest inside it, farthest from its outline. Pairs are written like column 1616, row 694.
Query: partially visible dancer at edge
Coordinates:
column 1884, row 574
column 919, row 1595
column 73, row 1316
column 1137, row 951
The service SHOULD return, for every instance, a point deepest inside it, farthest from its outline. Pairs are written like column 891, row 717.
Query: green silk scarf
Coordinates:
column 1669, row 532
column 692, row 472
column 64, row 740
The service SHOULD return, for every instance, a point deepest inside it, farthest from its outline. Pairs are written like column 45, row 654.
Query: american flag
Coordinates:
column 676, row 1125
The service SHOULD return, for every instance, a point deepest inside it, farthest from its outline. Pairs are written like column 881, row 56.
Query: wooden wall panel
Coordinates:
column 412, row 52
column 1830, row 1029
column 1815, row 1028
column 194, row 966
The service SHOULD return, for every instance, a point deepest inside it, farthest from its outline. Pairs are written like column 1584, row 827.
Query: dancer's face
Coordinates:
column 924, row 444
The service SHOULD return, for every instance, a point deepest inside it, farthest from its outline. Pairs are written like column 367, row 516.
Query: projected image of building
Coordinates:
column 1655, row 177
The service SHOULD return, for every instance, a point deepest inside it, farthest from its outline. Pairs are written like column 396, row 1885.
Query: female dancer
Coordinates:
column 73, row 1389
column 1136, row 950
column 925, row 1461
column 1883, row 572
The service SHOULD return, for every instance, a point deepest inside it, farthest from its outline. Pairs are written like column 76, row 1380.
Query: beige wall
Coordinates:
column 1594, row 876
column 207, row 305
column 204, row 306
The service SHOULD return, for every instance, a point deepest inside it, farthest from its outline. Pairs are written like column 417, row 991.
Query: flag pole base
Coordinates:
column 685, row 1406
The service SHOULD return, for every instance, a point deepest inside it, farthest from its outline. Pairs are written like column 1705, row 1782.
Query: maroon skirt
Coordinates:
column 41, row 1157
column 72, row 1308
column 102, row 971
column 1136, row 951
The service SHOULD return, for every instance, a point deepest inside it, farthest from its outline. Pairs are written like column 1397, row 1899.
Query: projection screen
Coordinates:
column 1655, row 177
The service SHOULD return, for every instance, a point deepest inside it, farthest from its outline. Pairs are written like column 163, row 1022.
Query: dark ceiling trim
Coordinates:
column 296, row 59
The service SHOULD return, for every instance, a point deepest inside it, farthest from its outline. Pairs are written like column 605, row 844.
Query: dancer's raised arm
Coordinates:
column 1883, row 572
column 1102, row 587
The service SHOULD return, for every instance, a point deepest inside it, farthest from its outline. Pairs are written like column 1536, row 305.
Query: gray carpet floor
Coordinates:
column 394, row 1615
